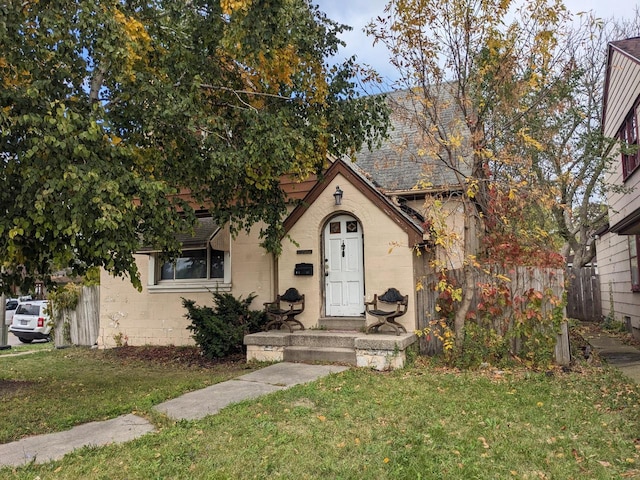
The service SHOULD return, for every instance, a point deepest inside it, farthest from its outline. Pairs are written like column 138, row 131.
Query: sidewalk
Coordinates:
column 625, row 358
column 191, row 406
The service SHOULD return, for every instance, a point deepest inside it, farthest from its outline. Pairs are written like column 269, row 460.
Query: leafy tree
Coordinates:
column 573, row 158
column 475, row 73
column 109, row 109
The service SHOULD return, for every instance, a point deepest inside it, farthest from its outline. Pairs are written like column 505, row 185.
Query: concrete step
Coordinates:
column 323, row 339
column 345, row 356
column 357, row 324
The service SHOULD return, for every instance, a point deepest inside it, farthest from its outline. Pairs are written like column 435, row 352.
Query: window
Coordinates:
column 195, row 264
column 204, row 264
column 629, row 143
column 634, row 248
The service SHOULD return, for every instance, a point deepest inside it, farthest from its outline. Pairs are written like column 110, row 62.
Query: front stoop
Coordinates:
column 379, row 351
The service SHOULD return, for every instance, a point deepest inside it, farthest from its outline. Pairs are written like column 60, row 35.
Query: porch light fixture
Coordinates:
column 338, row 196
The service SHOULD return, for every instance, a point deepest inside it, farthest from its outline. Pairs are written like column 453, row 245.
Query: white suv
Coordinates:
column 31, row 321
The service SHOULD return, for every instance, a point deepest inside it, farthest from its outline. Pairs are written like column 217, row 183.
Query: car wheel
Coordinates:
column 25, row 340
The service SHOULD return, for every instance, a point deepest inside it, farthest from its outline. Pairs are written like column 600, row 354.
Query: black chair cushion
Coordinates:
column 291, row 295
column 391, row 296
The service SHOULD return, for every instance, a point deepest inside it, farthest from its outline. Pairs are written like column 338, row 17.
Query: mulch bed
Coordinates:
column 172, row 355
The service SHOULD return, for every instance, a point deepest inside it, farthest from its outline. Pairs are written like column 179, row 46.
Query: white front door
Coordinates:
column 344, row 267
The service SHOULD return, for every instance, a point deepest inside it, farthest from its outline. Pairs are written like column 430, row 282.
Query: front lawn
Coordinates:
column 52, row 390
column 421, row 422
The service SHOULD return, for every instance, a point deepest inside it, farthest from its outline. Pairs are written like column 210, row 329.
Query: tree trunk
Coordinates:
column 468, row 289
column 470, row 250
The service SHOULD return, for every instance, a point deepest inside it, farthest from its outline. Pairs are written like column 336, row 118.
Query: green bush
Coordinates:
column 220, row 332
column 482, row 344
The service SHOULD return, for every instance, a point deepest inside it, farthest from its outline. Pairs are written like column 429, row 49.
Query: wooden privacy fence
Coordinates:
column 584, row 301
column 521, row 280
column 79, row 326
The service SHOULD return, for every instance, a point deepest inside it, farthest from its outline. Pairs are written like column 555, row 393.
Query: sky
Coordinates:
column 357, row 13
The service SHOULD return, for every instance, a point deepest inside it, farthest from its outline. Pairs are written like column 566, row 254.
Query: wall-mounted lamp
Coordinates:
column 338, row 196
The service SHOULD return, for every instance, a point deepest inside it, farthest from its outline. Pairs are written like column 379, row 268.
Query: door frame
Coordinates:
column 323, row 239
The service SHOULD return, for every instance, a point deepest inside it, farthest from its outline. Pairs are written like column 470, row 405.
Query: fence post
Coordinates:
column 563, row 350
column 4, row 328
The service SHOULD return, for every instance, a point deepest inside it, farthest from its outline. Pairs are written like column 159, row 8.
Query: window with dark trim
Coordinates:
column 634, row 248
column 195, row 264
column 629, row 143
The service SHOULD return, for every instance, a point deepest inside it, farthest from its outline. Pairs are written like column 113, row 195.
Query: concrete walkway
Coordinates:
column 191, row 406
column 625, row 358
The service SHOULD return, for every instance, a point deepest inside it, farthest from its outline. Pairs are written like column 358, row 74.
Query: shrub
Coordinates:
column 220, row 331
column 482, row 344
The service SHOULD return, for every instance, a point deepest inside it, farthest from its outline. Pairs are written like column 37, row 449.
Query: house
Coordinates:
column 617, row 247
column 339, row 253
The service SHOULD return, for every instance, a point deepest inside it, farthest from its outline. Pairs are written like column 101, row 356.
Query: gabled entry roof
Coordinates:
column 350, row 173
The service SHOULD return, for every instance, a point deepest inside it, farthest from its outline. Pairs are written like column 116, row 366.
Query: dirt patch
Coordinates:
column 172, row 355
column 10, row 387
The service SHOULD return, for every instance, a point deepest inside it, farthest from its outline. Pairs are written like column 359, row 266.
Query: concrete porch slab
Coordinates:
column 381, row 351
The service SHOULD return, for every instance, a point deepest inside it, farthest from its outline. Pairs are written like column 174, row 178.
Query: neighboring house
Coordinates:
column 617, row 248
column 346, row 252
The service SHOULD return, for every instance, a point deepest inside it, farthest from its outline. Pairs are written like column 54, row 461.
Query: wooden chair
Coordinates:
column 386, row 315
column 283, row 309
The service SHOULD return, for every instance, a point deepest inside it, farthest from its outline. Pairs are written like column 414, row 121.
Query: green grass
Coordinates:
column 28, row 347
column 421, row 422
column 53, row 390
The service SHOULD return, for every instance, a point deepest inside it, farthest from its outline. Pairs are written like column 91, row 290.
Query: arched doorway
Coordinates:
column 343, row 267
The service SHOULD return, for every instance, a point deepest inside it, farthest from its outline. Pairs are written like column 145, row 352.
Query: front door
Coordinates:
column 344, row 267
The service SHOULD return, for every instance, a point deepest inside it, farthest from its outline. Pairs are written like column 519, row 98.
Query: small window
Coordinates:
column 629, row 143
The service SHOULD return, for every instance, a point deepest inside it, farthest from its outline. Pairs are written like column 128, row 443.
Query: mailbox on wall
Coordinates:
column 303, row 269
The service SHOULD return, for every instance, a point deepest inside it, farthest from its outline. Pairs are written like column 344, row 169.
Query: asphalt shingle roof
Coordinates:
column 629, row 45
column 405, row 159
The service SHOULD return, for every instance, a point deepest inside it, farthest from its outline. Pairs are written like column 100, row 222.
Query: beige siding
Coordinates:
column 157, row 318
column 624, row 88
column 615, row 279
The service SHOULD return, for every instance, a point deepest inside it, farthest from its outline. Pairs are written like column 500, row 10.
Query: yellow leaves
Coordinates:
column 472, row 187
column 231, row 6
column 136, row 45
column 529, row 140
column 113, row 139
column 455, row 141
